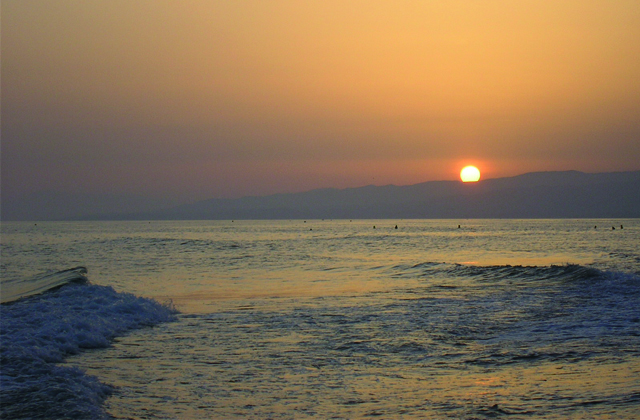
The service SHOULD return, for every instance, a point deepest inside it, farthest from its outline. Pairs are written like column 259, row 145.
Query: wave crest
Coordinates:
column 567, row 273
column 40, row 331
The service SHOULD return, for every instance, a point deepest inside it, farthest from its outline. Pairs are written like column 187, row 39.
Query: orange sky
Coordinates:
column 200, row 99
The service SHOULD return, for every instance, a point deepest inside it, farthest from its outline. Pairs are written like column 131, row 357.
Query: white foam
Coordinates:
column 40, row 331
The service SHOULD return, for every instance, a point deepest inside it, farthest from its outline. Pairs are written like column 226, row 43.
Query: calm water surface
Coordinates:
column 358, row 319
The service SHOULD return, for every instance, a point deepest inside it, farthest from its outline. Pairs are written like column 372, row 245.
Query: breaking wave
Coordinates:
column 39, row 332
column 568, row 273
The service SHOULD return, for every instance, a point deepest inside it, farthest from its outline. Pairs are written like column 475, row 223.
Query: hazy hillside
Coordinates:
column 568, row 194
column 534, row 195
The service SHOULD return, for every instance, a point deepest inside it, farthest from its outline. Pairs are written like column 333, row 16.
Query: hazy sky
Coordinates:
column 200, row 99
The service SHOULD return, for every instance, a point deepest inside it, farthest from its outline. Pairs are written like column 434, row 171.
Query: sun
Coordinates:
column 470, row 174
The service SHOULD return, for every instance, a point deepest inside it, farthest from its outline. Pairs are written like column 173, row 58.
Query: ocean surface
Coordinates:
column 331, row 319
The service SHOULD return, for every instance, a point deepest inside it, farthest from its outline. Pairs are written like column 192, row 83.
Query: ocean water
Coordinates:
column 464, row 319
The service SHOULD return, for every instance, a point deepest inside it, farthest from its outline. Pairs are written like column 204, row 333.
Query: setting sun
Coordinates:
column 470, row 174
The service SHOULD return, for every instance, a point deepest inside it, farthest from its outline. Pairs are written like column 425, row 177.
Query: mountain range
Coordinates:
column 564, row 194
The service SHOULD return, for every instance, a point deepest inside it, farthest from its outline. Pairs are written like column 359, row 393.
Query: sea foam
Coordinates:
column 38, row 332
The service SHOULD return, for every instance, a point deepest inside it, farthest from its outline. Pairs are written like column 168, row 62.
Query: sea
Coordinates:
column 323, row 319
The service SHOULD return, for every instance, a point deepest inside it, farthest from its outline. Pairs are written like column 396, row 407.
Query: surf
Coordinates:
column 18, row 288
column 57, row 315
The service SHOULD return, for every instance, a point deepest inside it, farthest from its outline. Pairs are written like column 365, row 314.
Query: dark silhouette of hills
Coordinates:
column 566, row 194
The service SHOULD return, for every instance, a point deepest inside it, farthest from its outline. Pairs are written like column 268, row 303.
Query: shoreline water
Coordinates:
column 535, row 319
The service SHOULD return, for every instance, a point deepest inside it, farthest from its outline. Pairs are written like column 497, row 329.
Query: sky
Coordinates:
column 197, row 99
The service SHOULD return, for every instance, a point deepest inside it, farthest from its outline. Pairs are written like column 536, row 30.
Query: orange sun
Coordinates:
column 470, row 174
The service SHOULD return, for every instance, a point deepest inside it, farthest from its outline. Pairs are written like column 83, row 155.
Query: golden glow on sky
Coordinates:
column 202, row 99
column 470, row 174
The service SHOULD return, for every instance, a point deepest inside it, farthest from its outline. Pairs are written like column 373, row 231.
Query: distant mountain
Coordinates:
column 567, row 194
